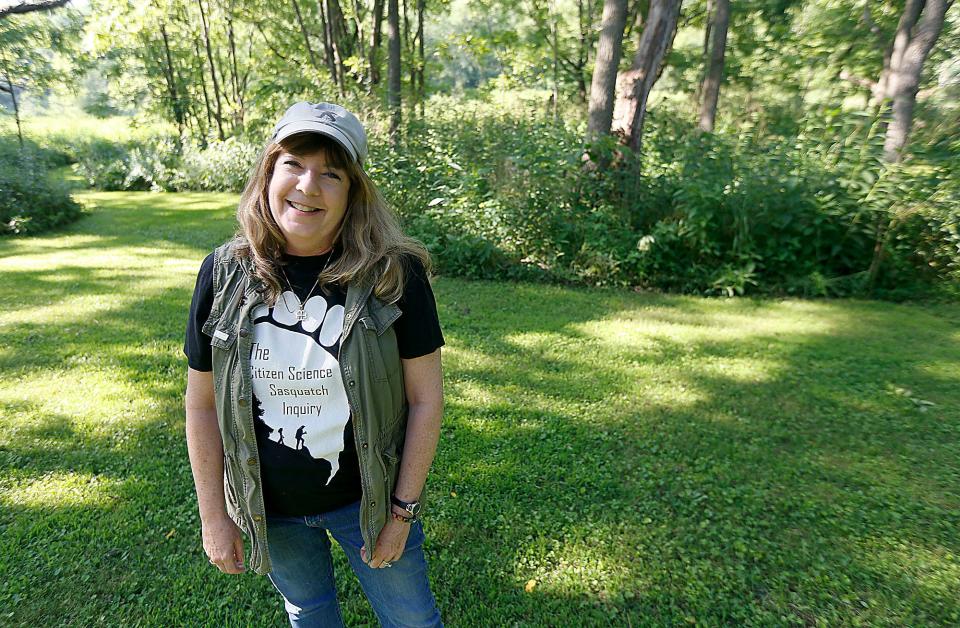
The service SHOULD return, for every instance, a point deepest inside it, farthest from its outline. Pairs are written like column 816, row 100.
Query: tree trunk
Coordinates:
column 605, row 68
column 327, row 41
column 901, row 80
column 306, row 35
column 711, row 82
column 421, row 60
column 894, row 52
column 16, row 107
column 175, row 103
column 239, row 113
column 409, row 48
column 904, row 81
column 556, row 65
column 707, row 28
column 206, row 96
column 393, row 69
column 358, row 25
column 218, row 116
column 634, row 85
column 581, row 63
column 375, row 41
column 338, row 40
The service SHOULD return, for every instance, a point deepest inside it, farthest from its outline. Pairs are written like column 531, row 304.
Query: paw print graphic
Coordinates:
column 296, row 375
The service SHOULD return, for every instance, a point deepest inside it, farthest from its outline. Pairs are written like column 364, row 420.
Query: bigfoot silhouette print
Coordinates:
column 296, row 375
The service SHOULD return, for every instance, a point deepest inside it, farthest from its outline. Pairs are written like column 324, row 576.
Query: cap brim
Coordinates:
column 316, row 127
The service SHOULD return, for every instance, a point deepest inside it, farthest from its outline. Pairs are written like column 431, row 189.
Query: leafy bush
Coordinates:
column 220, row 167
column 30, row 202
column 498, row 192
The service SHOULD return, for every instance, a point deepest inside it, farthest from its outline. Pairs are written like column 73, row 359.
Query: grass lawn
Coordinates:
column 607, row 458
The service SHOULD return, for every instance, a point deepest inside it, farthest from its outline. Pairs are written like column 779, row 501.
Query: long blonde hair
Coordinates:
column 370, row 241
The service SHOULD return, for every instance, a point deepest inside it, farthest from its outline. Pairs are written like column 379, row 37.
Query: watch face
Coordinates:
column 414, row 508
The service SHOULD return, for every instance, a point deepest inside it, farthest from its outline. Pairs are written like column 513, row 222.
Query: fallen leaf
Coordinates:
column 172, row 532
column 529, row 586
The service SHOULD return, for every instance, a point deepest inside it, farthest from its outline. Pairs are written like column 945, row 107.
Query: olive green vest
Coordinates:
column 372, row 375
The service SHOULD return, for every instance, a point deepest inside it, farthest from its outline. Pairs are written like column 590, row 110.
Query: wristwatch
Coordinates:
column 413, row 508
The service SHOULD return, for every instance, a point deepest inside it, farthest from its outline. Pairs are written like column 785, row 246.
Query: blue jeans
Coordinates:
column 303, row 571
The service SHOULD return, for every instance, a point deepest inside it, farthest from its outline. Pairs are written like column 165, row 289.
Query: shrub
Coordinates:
column 30, row 202
column 220, row 167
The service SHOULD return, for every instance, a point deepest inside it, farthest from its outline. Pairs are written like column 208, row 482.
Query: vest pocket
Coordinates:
column 223, row 337
column 372, row 345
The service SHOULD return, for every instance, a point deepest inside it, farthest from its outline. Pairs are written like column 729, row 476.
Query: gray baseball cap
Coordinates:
column 327, row 119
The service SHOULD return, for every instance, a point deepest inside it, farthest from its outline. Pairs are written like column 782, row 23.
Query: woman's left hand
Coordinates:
column 390, row 543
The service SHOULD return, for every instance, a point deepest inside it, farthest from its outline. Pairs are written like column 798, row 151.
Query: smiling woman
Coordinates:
column 308, row 197
column 318, row 251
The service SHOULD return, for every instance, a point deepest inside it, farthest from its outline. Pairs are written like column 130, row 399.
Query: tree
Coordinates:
column 393, row 68
column 900, row 80
column 28, row 45
column 718, row 21
column 634, row 85
column 604, row 80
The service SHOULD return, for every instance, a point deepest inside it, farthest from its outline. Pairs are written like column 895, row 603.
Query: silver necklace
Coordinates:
column 300, row 314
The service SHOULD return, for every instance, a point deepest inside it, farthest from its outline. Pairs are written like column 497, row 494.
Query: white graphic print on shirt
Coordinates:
column 296, row 376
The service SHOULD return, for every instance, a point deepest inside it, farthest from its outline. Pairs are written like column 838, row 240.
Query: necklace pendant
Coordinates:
column 301, row 315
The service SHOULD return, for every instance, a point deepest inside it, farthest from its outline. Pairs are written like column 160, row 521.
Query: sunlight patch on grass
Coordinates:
column 57, row 490
column 567, row 567
column 933, row 570
column 740, row 370
column 94, row 399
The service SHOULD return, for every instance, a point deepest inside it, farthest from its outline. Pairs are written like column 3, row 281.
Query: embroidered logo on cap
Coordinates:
column 327, row 116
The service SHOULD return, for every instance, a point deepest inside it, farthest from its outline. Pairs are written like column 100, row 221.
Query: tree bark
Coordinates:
column 393, row 69
column 338, row 40
column 556, row 65
column 28, row 6
column 409, row 46
column 175, row 103
column 707, row 29
column 581, row 63
column 239, row 114
column 213, row 72
column 203, row 85
column 894, row 52
column 305, row 34
column 358, row 26
column 16, row 107
column 634, row 85
column 327, row 42
column 376, row 39
column 607, row 61
column 421, row 60
column 904, row 80
column 714, row 75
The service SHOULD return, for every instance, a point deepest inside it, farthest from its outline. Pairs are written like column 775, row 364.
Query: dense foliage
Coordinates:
column 499, row 194
column 790, row 193
column 31, row 199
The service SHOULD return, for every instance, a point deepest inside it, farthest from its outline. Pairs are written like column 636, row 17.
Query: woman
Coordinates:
column 314, row 387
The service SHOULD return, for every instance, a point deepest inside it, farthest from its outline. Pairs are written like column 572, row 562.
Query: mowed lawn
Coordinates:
column 607, row 458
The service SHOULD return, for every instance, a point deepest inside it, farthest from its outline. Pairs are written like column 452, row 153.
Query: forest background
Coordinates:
column 609, row 456
column 785, row 147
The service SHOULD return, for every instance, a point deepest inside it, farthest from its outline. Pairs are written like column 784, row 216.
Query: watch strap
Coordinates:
column 412, row 508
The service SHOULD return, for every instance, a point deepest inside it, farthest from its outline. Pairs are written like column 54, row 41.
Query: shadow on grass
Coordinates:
column 638, row 481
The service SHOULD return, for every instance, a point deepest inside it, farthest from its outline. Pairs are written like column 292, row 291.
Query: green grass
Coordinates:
column 607, row 458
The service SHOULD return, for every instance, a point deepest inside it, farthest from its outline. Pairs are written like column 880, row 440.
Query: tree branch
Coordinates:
column 26, row 6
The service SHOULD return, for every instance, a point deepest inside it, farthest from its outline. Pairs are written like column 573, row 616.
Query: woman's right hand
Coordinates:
column 223, row 544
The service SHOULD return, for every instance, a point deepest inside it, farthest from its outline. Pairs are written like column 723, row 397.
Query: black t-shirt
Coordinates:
column 302, row 420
